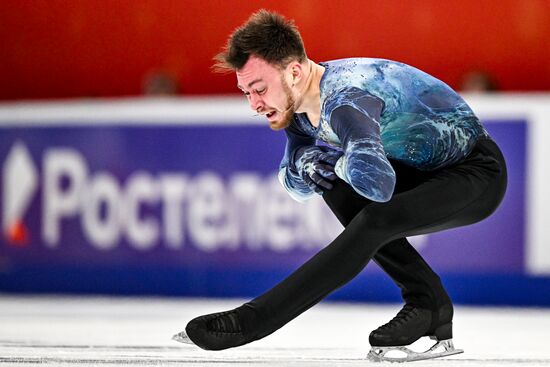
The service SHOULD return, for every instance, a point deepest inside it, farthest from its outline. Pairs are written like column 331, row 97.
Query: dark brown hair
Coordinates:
column 265, row 34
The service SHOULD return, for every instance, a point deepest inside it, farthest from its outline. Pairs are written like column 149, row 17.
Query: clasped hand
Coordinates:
column 315, row 164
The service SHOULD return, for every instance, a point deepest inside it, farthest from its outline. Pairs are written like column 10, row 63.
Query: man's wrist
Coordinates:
column 340, row 168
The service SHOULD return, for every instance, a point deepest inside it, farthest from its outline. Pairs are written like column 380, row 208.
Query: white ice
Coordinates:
column 69, row 331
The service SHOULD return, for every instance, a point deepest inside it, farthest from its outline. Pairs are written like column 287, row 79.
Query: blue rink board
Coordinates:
column 474, row 289
column 481, row 264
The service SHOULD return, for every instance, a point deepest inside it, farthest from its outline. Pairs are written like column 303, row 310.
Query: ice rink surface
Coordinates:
column 69, row 331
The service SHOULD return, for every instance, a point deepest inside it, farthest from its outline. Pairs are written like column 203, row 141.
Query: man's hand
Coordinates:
column 315, row 164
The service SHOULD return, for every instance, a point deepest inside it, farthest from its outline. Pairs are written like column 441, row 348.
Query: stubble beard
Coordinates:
column 288, row 113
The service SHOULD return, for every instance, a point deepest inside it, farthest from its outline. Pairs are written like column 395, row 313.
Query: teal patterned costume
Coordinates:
column 374, row 111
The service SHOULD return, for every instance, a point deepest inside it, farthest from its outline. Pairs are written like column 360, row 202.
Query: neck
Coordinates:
column 310, row 94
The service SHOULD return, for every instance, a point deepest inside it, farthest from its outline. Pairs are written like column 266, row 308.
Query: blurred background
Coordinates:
column 129, row 168
column 59, row 49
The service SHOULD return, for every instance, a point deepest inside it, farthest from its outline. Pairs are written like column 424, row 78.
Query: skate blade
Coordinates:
column 442, row 348
column 182, row 338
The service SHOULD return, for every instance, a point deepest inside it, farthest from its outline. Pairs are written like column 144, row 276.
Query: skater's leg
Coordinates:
column 419, row 284
column 455, row 196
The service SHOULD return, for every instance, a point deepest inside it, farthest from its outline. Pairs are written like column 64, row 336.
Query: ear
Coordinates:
column 296, row 72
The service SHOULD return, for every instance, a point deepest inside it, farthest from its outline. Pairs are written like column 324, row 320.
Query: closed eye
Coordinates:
column 257, row 91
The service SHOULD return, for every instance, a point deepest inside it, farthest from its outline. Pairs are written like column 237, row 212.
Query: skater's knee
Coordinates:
column 376, row 222
column 379, row 217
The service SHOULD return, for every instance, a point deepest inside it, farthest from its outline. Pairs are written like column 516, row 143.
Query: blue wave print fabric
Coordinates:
column 374, row 110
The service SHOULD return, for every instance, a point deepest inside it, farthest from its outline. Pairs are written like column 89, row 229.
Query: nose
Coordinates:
column 255, row 102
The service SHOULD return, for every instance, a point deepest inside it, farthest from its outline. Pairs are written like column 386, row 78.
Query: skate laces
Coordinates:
column 227, row 322
column 407, row 313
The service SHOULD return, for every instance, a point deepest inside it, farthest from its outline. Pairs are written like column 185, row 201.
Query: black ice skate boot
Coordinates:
column 412, row 323
column 220, row 330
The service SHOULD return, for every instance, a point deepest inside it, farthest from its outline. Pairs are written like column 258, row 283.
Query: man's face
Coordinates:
column 267, row 91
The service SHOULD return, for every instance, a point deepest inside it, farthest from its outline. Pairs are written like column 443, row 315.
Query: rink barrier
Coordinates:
column 180, row 197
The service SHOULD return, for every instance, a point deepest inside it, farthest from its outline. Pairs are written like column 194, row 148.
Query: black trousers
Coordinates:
column 423, row 202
